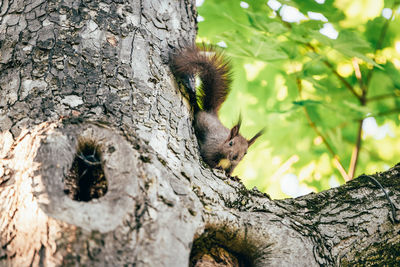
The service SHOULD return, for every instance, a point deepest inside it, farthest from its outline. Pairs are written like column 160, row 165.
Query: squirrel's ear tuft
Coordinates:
column 252, row 140
column 234, row 131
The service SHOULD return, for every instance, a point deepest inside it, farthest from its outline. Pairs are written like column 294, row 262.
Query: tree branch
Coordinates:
column 343, row 80
column 387, row 112
column 383, row 96
column 356, row 152
column 357, row 72
column 363, row 98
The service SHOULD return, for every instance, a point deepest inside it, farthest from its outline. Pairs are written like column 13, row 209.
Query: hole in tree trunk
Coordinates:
column 208, row 250
column 86, row 179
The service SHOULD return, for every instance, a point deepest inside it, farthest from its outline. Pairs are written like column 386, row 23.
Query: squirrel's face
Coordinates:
column 235, row 148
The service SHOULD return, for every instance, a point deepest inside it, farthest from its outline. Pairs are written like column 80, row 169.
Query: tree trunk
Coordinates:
column 99, row 165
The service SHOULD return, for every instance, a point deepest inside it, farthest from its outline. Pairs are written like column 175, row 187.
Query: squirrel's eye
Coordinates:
column 231, row 143
column 235, row 157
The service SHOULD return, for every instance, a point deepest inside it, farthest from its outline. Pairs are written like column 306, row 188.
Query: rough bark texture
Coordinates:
column 98, row 71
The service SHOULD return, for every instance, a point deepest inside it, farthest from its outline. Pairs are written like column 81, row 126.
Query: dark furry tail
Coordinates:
column 214, row 72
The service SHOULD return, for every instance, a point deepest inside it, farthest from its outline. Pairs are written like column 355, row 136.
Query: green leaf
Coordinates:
column 261, row 47
column 361, row 110
column 307, row 102
column 351, row 45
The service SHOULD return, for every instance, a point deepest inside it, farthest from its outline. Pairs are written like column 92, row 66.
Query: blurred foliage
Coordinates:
column 310, row 91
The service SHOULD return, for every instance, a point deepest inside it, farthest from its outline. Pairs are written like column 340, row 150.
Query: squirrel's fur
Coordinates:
column 220, row 147
column 213, row 70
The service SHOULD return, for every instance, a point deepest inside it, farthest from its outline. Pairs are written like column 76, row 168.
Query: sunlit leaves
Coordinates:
column 351, row 45
column 300, row 74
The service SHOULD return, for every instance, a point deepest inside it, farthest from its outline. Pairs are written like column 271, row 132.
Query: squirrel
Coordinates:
column 220, row 147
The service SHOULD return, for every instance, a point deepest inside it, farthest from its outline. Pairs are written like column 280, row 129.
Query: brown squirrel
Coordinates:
column 219, row 146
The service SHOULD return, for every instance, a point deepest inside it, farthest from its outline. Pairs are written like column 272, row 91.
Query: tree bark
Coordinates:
column 99, row 164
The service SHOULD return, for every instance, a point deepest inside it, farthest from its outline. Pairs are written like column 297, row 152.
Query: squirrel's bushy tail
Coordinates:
column 213, row 70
